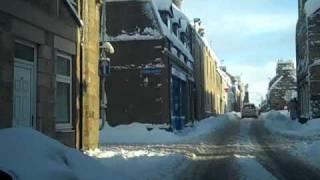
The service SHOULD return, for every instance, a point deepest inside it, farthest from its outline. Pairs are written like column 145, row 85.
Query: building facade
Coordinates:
column 48, row 78
column 38, row 69
column 308, row 58
column 209, row 81
column 152, row 70
column 284, row 82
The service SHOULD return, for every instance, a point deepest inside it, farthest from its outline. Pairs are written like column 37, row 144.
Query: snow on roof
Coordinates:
column 147, row 34
column 173, row 38
column 311, row 7
column 163, row 5
column 144, row 27
column 178, row 14
column 224, row 76
column 211, row 52
column 281, row 61
column 274, row 85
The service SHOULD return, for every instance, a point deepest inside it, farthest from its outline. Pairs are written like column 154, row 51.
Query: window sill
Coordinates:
column 64, row 128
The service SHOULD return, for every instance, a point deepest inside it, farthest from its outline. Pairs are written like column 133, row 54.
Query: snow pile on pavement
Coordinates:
column 306, row 136
column 30, row 155
column 279, row 122
column 309, row 151
column 138, row 164
column 311, row 7
column 137, row 133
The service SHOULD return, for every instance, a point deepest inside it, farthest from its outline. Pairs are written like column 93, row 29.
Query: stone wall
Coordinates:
column 49, row 27
column 308, row 56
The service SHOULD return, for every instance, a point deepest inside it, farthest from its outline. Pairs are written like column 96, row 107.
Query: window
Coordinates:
column 63, row 108
column 24, row 52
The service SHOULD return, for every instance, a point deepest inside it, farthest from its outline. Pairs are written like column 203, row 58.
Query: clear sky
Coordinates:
column 249, row 36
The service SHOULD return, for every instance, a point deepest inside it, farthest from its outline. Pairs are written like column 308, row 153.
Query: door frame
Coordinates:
column 27, row 64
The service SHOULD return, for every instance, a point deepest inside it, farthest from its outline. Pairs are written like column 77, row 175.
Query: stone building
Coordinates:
column 209, row 87
column 308, row 58
column 284, row 82
column 236, row 92
column 152, row 70
column 45, row 83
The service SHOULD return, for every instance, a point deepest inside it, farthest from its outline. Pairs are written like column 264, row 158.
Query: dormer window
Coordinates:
column 175, row 27
column 164, row 17
column 183, row 37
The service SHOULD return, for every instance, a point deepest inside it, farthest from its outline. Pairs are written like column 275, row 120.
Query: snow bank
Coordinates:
column 306, row 144
column 309, row 151
column 311, row 7
column 279, row 122
column 137, row 133
column 138, row 164
column 30, row 155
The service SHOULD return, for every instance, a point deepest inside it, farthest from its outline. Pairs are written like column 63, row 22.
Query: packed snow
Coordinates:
column 137, row 133
column 311, row 7
column 306, row 136
column 279, row 122
column 30, row 155
column 52, row 160
column 251, row 169
column 137, row 164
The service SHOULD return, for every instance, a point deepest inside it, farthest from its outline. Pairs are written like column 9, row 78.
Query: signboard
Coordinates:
column 151, row 71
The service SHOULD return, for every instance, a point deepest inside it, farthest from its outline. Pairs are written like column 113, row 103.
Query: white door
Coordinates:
column 23, row 115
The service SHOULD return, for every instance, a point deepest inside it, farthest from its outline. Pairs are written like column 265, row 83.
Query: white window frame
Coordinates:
column 67, row 80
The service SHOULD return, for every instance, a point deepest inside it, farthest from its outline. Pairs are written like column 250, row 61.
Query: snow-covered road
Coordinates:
column 238, row 149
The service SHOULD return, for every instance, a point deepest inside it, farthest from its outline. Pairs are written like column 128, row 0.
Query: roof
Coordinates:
column 73, row 12
column 311, row 7
column 144, row 23
column 141, row 24
column 163, row 5
column 274, row 84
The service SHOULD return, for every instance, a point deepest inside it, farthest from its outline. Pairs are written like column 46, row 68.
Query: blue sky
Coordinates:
column 249, row 36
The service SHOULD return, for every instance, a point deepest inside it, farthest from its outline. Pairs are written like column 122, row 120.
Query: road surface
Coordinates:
column 244, row 149
column 241, row 149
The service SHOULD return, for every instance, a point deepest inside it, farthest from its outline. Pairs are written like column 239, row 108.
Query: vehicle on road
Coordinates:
column 249, row 111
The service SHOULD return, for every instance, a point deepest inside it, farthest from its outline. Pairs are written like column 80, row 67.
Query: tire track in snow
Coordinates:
column 275, row 159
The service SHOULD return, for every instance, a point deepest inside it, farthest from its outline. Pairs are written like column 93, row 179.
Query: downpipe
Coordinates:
column 103, row 103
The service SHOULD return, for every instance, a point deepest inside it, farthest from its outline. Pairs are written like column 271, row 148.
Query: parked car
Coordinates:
column 249, row 111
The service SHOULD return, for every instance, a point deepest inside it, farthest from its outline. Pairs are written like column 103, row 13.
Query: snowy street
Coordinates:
column 225, row 147
column 238, row 149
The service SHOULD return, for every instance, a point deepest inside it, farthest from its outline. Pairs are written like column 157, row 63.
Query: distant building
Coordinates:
column 308, row 58
column 210, row 81
column 246, row 96
column 281, row 84
column 236, row 92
